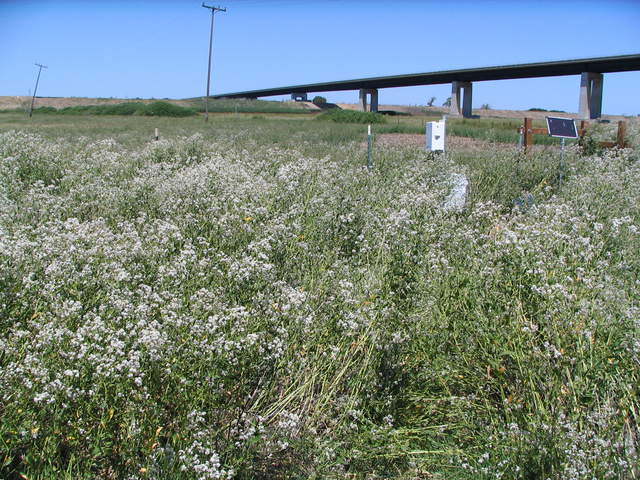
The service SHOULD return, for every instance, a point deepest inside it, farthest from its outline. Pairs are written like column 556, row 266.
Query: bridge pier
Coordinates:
column 299, row 96
column 373, row 103
column 456, row 88
column 590, row 95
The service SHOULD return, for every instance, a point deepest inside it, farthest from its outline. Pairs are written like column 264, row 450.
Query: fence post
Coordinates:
column 583, row 128
column 622, row 130
column 528, row 133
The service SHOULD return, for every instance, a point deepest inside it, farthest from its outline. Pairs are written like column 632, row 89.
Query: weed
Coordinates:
column 250, row 301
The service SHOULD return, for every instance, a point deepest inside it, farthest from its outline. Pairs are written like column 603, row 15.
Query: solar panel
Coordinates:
column 562, row 127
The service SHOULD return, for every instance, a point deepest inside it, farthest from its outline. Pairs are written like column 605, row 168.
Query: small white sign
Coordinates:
column 435, row 133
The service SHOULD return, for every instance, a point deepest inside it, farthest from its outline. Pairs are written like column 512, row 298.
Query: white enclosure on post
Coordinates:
column 435, row 136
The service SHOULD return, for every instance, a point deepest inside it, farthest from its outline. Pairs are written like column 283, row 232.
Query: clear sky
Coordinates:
column 129, row 49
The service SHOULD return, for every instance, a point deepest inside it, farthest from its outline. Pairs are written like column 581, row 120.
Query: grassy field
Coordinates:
column 492, row 130
column 245, row 299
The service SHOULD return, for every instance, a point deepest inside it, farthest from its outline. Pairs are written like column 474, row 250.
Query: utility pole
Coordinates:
column 36, row 89
column 206, row 99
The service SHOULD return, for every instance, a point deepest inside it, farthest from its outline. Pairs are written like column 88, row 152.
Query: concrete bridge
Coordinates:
column 591, row 72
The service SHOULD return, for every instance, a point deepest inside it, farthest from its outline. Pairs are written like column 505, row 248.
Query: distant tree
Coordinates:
column 447, row 102
column 319, row 101
column 430, row 102
column 485, row 106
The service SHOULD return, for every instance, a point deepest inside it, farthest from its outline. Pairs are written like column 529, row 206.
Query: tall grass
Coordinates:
column 240, row 303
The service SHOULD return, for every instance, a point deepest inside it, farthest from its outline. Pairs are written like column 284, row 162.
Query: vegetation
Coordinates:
column 351, row 116
column 244, row 105
column 249, row 301
column 319, row 101
column 536, row 109
column 153, row 109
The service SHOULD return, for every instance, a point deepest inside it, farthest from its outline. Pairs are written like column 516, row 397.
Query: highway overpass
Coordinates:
column 591, row 72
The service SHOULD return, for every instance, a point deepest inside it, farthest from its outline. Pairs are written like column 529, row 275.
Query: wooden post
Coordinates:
column 583, row 129
column 622, row 130
column 156, row 135
column 528, row 133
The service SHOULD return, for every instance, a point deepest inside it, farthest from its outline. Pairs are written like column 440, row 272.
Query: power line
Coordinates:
column 206, row 99
column 36, row 89
column 271, row 3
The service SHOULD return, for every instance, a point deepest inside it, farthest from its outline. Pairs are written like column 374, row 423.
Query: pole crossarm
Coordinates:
column 215, row 9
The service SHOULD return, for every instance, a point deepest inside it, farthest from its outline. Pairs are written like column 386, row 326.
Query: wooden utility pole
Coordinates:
column 206, row 99
column 36, row 89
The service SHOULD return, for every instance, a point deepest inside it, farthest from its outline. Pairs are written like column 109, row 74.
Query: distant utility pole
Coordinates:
column 206, row 99
column 36, row 89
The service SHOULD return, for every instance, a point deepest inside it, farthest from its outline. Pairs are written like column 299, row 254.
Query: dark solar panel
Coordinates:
column 562, row 127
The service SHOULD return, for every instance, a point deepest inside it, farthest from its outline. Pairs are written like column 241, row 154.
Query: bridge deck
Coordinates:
column 622, row 63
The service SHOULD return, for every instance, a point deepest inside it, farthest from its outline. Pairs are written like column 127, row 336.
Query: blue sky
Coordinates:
column 159, row 49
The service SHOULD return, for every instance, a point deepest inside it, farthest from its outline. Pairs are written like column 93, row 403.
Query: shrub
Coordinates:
column 319, row 101
column 352, row 116
column 155, row 109
column 166, row 109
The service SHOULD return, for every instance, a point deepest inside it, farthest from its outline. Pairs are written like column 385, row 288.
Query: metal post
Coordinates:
column 36, row 89
column 521, row 137
column 206, row 99
column 561, row 160
column 369, row 148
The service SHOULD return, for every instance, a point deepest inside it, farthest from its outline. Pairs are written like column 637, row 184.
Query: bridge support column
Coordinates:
column 373, row 103
column 299, row 97
column 456, row 88
column 590, row 95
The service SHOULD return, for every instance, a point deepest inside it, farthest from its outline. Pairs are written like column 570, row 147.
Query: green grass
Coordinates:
column 243, row 105
column 351, row 116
